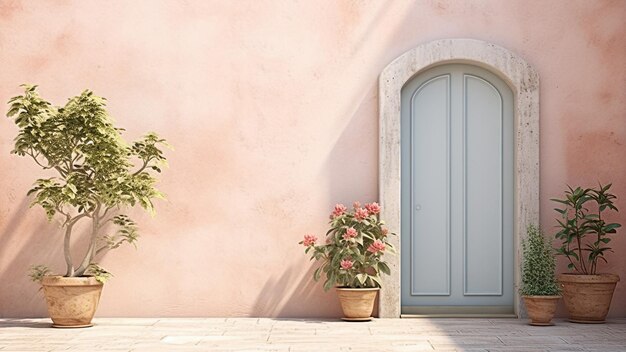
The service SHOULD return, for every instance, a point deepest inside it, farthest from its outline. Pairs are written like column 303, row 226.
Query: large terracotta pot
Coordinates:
column 72, row 301
column 357, row 303
column 541, row 309
column 587, row 297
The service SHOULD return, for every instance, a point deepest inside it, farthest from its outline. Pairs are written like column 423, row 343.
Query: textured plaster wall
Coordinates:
column 272, row 109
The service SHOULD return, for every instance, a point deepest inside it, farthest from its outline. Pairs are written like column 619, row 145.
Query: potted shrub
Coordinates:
column 584, row 241
column 352, row 257
column 95, row 179
column 540, row 289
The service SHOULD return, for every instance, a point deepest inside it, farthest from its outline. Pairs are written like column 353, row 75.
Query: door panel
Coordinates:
column 431, row 104
column 457, row 189
column 483, row 187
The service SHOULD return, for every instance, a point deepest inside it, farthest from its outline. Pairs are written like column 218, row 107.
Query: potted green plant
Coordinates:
column 352, row 257
column 539, row 289
column 584, row 240
column 95, row 179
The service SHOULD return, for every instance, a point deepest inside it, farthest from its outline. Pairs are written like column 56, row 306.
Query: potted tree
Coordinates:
column 352, row 257
column 95, row 180
column 539, row 289
column 584, row 241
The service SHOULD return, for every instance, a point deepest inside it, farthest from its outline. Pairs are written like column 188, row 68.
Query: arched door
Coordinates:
column 457, row 192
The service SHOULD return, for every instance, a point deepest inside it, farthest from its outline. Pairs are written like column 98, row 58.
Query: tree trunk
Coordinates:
column 92, row 243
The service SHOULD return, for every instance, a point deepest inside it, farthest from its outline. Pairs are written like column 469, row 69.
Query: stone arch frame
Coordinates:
column 524, row 82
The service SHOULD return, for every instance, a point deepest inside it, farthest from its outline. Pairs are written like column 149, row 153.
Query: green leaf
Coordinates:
column 317, row 274
column 329, row 283
column 382, row 267
column 37, row 272
column 99, row 273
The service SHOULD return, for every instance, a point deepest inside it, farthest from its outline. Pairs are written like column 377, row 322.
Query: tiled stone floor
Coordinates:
column 262, row 334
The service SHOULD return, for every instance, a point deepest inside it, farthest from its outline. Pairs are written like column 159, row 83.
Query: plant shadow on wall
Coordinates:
column 275, row 300
column 307, row 293
column 23, row 242
column 97, row 178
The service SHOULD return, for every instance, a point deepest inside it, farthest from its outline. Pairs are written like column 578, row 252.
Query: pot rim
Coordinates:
column 357, row 288
column 543, row 297
column 58, row 280
column 604, row 278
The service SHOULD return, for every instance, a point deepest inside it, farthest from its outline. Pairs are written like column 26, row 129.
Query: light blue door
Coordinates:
column 457, row 192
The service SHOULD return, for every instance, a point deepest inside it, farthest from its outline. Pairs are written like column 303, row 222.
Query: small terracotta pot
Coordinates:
column 541, row 309
column 357, row 303
column 72, row 301
column 588, row 297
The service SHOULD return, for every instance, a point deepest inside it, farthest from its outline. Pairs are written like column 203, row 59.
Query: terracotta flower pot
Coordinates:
column 587, row 297
column 357, row 303
column 72, row 301
column 541, row 309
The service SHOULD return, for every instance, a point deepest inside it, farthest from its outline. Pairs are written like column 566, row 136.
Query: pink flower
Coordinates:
column 339, row 210
column 385, row 231
column 346, row 264
column 373, row 208
column 309, row 240
column 350, row 233
column 356, row 205
column 376, row 247
column 360, row 214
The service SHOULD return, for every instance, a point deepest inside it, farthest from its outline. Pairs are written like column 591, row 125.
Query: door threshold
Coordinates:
column 419, row 316
column 458, row 312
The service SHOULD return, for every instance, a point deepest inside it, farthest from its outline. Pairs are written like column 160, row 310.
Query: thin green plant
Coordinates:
column 583, row 227
column 538, row 265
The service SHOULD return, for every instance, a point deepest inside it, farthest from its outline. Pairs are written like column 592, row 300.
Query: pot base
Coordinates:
column 356, row 319
column 541, row 324
column 71, row 326
column 587, row 321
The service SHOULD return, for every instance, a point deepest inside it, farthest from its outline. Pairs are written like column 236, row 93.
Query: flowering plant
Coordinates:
column 355, row 244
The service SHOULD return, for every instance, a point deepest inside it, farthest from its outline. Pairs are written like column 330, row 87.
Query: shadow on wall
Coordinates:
column 29, row 239
column 348, row 154
column 352, row 158
column 276, row 300
column 356, row 159
column 24, row 242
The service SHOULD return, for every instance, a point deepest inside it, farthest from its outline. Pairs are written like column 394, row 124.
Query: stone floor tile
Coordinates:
column 606, row 348
column 590, row 339
column 465, row 340
column 517, row 349
column 569, row 348
column 532, row 340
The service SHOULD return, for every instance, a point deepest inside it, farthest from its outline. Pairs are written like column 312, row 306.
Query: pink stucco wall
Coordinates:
column 272, row 109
